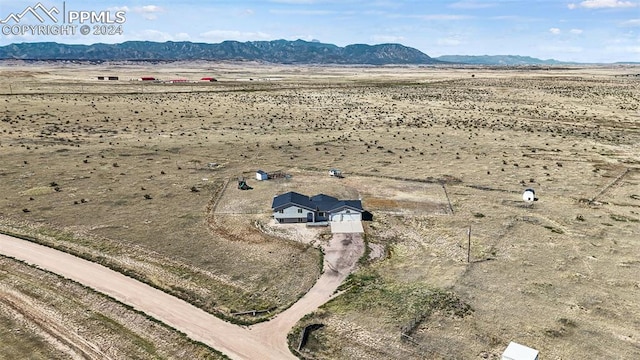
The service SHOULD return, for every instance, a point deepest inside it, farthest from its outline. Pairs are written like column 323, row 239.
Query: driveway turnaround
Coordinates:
column 262, row 341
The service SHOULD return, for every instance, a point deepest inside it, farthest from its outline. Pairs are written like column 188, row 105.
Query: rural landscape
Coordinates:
column 141, row 177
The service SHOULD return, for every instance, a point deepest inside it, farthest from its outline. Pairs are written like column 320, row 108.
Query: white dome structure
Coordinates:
column 529, row 196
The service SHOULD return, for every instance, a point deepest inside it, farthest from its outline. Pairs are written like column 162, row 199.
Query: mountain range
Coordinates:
column 276, row 51
column 511, row 60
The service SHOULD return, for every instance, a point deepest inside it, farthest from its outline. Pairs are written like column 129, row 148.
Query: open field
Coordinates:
column 118, row 172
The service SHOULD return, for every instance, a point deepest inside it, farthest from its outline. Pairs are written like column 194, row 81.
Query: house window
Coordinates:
column 299, row 211
column 281, row 211
column 321, row 214
column 348, row 211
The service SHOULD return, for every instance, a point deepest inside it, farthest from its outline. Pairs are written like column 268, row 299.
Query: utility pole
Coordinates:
column 447, row 195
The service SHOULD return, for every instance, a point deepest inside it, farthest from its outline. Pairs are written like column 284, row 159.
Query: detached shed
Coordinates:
column 516, row 351
column 261, row 175
column 529, row 195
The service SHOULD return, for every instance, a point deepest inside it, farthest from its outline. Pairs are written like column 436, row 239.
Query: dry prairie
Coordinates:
column 79, row 155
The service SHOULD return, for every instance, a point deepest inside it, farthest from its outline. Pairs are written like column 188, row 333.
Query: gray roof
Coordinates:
column 320, row 202
column 354, row 204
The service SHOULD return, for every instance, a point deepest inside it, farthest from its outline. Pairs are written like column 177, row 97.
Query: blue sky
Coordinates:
column 571, row 30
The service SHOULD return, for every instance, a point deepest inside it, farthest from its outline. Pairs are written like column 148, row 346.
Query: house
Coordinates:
column 147, row 78
column 516, row 351
column 208, row 79
column 113, row 78
column 261, row 175
column 293, row 207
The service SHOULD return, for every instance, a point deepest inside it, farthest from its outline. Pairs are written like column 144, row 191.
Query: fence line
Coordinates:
column 615, row 181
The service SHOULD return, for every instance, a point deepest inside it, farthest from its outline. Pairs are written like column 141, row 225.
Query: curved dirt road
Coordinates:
column 262, row 341
column 341, row 255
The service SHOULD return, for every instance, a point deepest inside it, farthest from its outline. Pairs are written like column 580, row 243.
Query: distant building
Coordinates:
column 261, row 175
column 529, row 196
column 100, row 77
column 293, row 207
column 335, row 173
column 113, row 78
column 147, row 78
column 208, row 79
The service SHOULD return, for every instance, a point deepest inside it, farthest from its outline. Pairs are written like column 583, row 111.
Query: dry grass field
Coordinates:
column 118, row 172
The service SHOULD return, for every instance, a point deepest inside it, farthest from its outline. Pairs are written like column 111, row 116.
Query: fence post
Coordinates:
column 447, row 195
column 469, row 245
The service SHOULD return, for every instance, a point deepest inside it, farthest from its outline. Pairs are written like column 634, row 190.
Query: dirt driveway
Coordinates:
column 341, row 256
column 262, row 341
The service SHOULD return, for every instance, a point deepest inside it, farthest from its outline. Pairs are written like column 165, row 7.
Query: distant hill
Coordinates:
column 277, row 51
column 509, row 60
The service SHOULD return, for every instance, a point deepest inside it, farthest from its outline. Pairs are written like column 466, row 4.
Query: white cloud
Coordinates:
column 149, row 12
column 624, row 49
column 554, row 31
column 219, row 35
column 119, row 8
column 387, row 38
column 448, row 42
column 149, row 8
column 295, row 2
column 182, row 37
column 576, row 31
column 442, row 17
column 601, row 4
column 631, row 23
column 470, row 4
column 300, row 12
column 154, row 35
column 561, row 49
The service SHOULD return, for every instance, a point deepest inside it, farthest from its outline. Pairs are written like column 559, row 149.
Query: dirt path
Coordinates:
column 262, row 341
